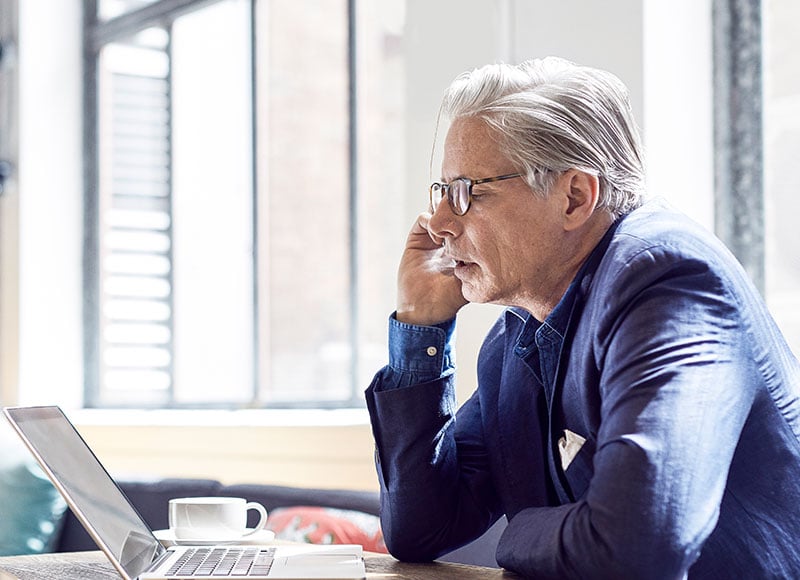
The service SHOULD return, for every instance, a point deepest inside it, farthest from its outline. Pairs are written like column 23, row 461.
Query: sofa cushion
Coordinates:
column 319, row 525
column 31, row 509
column 275, row 496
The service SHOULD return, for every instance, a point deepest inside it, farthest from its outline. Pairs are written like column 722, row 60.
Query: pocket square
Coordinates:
column 568, row 446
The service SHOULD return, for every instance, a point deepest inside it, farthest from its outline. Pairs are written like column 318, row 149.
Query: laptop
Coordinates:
column 129, row 543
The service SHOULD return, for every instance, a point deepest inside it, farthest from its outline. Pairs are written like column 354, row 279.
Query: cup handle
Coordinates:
column 262, row 517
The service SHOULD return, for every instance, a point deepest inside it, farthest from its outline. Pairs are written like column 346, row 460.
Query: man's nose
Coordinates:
column 443, row 222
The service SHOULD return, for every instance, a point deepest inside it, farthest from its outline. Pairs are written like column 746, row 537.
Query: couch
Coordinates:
column 151, row 499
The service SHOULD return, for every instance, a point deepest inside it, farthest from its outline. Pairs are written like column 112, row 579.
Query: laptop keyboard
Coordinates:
column 223, row 562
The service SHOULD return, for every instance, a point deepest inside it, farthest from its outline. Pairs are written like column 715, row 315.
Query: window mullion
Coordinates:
column 170, row 299
column 91, row 280
column 352, row 88
column 738, row 138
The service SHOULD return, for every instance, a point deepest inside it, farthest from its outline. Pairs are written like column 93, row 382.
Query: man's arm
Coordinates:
column 433, row 469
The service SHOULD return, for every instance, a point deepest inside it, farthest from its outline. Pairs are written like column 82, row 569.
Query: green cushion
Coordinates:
column 31, row 509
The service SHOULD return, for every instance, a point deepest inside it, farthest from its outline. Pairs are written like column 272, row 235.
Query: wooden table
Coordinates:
column 95, row 566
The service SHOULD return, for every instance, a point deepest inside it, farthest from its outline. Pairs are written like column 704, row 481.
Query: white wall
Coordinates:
column 677, row 92
column 50, row 202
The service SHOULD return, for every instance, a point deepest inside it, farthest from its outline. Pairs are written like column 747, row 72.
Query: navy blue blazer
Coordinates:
column 667, row 443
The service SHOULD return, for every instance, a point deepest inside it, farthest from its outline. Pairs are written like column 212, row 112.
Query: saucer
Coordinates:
column 167, row 539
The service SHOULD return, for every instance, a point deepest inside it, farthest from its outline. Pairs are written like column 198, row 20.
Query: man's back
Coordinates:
column 669, row 316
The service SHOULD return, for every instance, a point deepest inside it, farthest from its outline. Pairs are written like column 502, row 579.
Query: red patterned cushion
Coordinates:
column 319, row 525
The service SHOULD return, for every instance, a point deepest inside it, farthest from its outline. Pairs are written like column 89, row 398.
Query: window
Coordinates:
column 757, row 102
column 231, row 256
column 781, row 151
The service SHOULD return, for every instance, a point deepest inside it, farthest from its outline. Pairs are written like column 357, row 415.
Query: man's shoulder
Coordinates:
column 657, row 231
column 658, row 222
column 657, row 245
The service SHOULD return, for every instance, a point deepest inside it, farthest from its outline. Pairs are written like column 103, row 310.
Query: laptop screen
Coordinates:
column 87, row 486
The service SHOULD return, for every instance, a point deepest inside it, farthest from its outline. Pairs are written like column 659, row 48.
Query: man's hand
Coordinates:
column 427, row 291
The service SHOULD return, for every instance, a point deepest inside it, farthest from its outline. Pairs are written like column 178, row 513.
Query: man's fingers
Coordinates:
column 423, row 222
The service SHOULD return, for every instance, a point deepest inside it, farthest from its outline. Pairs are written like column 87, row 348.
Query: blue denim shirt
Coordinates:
column 683, row 396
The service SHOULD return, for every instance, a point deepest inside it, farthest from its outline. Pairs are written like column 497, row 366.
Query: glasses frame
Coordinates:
column 446, row 190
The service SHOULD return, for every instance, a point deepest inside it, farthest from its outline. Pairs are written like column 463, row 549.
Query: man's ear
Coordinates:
column 583, row 192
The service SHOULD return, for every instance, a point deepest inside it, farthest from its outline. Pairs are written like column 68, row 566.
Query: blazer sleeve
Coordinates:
column 436, row 490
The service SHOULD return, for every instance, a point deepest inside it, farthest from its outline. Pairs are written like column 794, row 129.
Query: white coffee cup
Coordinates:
column 213, row 518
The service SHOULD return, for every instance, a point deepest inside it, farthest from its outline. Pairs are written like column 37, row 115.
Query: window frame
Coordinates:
column 162, row 13
column 739, row 192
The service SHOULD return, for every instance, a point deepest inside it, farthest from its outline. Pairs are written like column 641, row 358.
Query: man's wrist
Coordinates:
column 419, row 318
column 425, row 350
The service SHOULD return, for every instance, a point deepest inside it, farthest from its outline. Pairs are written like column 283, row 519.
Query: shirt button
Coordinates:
column 431, row 350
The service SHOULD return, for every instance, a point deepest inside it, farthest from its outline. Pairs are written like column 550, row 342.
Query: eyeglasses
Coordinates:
column 459, row 192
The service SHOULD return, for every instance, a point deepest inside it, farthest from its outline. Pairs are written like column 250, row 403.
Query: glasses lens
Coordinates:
column 436, row 195
column 459, row 196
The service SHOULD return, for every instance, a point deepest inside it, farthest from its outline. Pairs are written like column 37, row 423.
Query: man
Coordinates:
column 638, row 411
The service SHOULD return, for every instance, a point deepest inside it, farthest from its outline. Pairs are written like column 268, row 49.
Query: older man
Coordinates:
column 637, row 412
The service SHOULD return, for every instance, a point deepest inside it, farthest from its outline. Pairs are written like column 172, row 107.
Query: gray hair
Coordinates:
column 551, row 115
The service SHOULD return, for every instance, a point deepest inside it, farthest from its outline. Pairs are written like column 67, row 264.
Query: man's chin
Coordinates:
column 473, row 295
column 471, row 287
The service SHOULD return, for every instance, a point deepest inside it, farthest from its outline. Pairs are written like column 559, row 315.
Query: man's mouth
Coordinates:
column 459, row 264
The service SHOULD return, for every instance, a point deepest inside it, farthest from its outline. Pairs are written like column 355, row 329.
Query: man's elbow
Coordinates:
column 409, row 549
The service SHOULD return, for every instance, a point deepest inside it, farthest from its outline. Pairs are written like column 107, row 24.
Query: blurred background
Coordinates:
column 204, row 202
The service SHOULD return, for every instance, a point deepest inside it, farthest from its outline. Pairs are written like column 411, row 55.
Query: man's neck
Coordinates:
column 585, row 241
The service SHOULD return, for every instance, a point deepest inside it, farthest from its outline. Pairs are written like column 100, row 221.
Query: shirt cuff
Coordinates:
column 425, row 351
